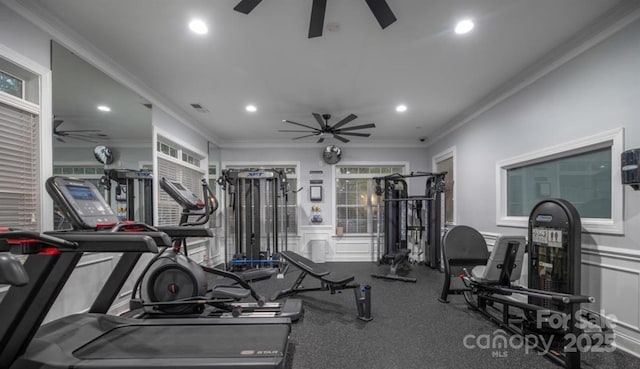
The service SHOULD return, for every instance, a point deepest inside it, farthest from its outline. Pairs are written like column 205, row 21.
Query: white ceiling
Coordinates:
column 265, row 58
column 78, row 89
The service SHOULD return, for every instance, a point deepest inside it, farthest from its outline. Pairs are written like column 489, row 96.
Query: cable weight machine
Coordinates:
column 258, row 201
column 125, row 192
column 408, row 219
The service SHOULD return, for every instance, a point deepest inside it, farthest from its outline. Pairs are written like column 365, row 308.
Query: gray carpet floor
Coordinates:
column 410, row 329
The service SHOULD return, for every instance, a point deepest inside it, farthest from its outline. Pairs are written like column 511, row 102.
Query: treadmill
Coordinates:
column 99, row 341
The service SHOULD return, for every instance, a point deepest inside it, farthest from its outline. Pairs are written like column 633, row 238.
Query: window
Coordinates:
column 19, row 182
column 166, row 149
column 356, row 201
column 11, row 85
column 583, row 179
column 80, row 171
column 585, row 172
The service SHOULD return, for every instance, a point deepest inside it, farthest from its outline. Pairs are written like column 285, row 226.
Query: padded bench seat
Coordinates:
column 316, row 270
column 337, row 278
column 305, row 264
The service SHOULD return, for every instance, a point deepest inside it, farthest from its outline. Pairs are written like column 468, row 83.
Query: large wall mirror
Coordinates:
column 93, row 110
column 95, row 116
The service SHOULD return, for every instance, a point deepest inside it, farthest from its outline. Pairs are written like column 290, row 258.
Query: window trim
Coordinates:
column 612, row 138
column 44, row 110
column 334, row 192
column 450, row 152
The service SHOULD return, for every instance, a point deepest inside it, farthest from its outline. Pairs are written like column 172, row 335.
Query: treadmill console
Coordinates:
column 183, row 196
column 80, row 202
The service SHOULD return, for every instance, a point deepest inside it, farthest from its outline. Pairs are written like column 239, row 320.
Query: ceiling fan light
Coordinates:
column 401, row 108
column 251, row 108
column 104, row 108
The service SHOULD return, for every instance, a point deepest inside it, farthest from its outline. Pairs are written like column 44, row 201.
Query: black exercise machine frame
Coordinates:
column 52, row 258
column 230, row 182
column 434, row 186
column 333, row 284
column 490, row 293
column 49, row 265
column 224, row 297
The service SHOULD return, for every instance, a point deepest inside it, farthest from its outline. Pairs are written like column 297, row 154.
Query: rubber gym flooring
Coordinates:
column 410, row 328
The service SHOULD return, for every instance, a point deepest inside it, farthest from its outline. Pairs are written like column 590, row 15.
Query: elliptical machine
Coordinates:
column 172, row 275
column 172, row 279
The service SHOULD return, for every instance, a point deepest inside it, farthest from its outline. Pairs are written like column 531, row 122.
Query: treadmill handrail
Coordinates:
column 41, row 238
column 109, row 242
column 182, row 231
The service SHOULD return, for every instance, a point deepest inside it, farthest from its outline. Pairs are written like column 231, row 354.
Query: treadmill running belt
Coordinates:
column 175, row 341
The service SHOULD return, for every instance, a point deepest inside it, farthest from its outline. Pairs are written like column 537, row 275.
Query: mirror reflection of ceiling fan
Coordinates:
column 87, row 135
column 337, row 130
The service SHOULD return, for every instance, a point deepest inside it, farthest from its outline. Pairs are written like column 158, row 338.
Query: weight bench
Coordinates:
column 328, row 282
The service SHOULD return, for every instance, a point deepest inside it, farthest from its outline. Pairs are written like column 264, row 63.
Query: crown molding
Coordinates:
column 287, row 144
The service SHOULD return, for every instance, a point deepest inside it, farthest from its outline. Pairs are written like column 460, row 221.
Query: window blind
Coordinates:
column 19, row 152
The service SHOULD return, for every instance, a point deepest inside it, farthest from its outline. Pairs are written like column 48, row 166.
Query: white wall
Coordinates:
column 595, row 92
column 23, row 37
column 347, row 248
column 124, row 157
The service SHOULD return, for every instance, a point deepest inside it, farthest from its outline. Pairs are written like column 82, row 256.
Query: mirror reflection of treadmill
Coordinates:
column 97, row 339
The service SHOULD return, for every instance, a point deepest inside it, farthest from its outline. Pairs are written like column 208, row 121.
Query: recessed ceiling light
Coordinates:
column 199, row 27
column 251, row 108
column 464, row 26
column 104, row 108
column 401, row 108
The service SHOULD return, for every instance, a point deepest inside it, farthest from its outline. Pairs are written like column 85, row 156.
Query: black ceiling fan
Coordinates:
column 88, row 135
column 379, row 8
column 325, row 129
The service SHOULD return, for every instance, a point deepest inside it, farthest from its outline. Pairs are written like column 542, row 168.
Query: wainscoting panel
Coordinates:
column 83, row 285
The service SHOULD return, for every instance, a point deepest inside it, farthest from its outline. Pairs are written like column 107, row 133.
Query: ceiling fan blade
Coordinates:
column 105, row 137
column 81, row 138
column 59, row 139
column 317, row 18
column 320, row 140
column 340, row 138
column 346, row 120
column 246, row 6
column 354, row 134
column 364, row 126
column 300, row 124
column 319, row 119
column 57, row 123
column 291, row 130
column 81, row 134
column 80, row 130
column 382, row 12
column 297, row 138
